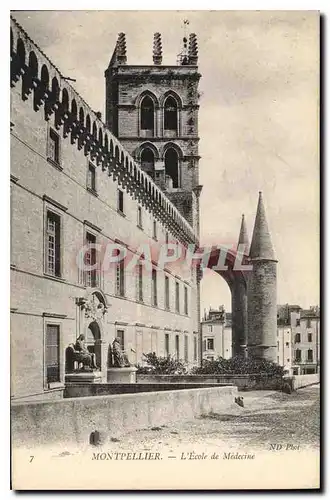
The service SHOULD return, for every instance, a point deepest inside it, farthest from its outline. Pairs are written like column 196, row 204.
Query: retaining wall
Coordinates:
column 72, row 420
column 254, row 381
column 299, row 381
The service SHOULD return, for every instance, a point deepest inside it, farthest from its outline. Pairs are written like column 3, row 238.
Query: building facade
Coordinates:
column 79, row 196
column 217, row 334
column 304, row 327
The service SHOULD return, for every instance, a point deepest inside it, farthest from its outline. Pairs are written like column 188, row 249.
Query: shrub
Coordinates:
column 238, row 365
column 161, row 365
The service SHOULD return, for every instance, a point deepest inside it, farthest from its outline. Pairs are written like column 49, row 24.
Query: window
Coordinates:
column 310, row 337
column 166, row 237
column 140, row 282
column 154, row 287
column 298, row 355
column 154, row 230
column 204, row 345
column 90, row 261
column 91, row 178
column 308, row 323
column 297, row 322
column 210, row 344
column 297, row 338
column 171, row 115
column 186, row 348
column 139, row 217
column 52, row 353
column 54, row 147
column 177, row 297
column 120, row 279
column 186, row 300
column 278, row 345
column 147, row 114
column 177, row 347
column 172, row 166
column 53, row 244
column 167, row 293
column 148, row 162
column 210, row 328
column 167, row 344
column 120, row 201
column 287, row 344
column 195, row 348
column 310, row 355
column 121, row 335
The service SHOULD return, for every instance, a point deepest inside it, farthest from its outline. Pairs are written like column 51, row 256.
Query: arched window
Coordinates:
column 172, row 166
column 171, row 115
column 147, row 115
column 148, row 161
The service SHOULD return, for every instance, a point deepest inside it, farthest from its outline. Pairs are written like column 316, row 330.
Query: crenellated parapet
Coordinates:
column 52, row 94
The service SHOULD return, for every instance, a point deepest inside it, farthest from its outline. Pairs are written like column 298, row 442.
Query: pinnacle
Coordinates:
column 243, row 238
column 261, row 245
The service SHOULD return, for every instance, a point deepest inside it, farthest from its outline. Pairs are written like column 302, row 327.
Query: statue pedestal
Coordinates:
column 84, row 377
column 125, row 375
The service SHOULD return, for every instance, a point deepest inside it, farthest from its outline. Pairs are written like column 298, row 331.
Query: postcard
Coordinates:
column 165, row 329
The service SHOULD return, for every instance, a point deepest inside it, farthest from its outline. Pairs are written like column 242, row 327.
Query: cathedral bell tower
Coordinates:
column 153, row 110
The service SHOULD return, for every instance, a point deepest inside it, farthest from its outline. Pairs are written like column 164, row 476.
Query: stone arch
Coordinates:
column 88, row 124
column 144, row 145
column 150, row 94
column 174, row 95
column 30, row 78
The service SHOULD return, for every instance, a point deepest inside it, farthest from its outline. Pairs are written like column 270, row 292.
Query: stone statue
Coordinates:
column 120, row 359
column 82, row 354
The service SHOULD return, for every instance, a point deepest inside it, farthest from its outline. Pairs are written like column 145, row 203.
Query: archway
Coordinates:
column 93, row 340
column 148, row 161
column 172, row 166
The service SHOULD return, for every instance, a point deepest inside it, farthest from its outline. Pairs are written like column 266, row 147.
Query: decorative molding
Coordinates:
column 14, row 179
column 56, row 204
column 121, row 323
column 54, row 315
column 92, row 226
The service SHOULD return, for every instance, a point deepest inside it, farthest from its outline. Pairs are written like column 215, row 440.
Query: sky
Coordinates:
column 258, row 119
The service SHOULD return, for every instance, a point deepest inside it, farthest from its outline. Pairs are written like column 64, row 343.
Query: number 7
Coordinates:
column 31, row 458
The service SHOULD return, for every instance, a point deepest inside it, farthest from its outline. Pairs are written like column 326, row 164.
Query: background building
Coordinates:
column 75, row 185
column 217, row 334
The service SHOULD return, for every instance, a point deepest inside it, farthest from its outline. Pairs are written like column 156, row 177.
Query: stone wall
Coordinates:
column 299, row 381
column 38, row 423
column 242, row 382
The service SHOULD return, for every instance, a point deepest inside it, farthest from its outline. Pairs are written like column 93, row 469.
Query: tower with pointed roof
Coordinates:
column 153, row 110
column 261, row 290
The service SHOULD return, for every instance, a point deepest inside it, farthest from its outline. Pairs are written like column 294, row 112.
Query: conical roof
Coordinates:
column 261, row 244
column 243, row 238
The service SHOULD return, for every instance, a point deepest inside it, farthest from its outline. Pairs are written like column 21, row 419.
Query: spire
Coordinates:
column 157, row 53
column 193, row 49
column 243, row 238
column 119, row 54
column 261, row 245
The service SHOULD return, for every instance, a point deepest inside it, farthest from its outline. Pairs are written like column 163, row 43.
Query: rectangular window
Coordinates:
column 54, row 147
column 53, row 244
column 210, row 328
column 90, row 261
column 297, row 322
column 278, row 345
column 139, row 217
column 186, row 348
column 154, row 287
column 297, row 338
column 177, row 348
column 121, row 335
column 308, row 323
column 177, row 297
column 310, row 355
column 52, row 353
column 186, row 300
column 204, row 345
column 166, row 237
column 140, row 282
column 167, row 345
column 120, row 201
column 167, row 293
column 195, row 348
column 154, row 230
column 298, row 355
column 120, row 279
column 210, row 344
column 91, row 177
column 310, row 337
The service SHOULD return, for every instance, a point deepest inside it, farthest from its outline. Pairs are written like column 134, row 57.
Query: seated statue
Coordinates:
column 120, row 359
column 82, row 354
